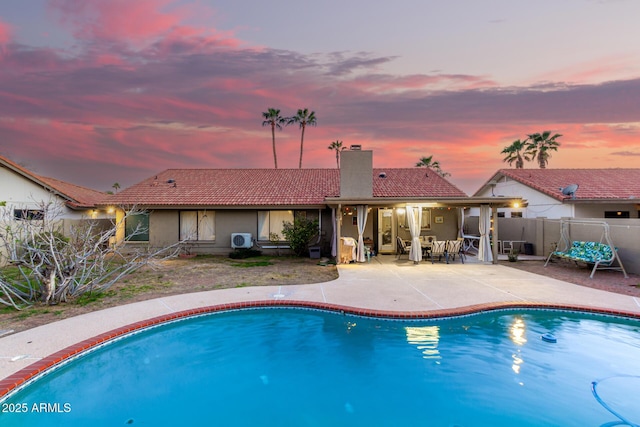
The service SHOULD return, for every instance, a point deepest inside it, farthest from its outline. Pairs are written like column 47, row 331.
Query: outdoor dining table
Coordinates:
column 470, row 242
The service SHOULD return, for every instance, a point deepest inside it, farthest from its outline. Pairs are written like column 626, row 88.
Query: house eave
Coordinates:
column 433, row 201
column 217, row 207
column 603, row 201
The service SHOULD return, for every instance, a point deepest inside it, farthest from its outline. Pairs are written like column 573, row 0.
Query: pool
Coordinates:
column 302, row 367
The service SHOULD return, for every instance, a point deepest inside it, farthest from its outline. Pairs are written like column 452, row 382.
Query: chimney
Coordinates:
column 356, row 173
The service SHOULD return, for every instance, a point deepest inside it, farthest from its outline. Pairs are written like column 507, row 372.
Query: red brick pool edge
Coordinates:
column 16, row 380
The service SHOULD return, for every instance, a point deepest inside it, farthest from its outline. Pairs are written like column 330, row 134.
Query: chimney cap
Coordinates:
column 355, row 147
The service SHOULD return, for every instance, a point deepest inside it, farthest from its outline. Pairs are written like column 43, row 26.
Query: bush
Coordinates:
column 242, row 253
column 299, row 234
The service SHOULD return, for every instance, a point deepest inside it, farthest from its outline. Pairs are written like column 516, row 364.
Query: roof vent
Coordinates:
column 382, row 175
column 355, row 147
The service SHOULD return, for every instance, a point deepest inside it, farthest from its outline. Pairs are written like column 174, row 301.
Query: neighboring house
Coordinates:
column 601, row 193
column 25, row 194
column 603, row 205
column 207, row 207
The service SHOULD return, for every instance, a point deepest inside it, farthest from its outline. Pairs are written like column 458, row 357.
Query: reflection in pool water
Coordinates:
column 294, row 367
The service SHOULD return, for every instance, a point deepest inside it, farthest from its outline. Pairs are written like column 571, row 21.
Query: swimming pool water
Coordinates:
column 293, row 367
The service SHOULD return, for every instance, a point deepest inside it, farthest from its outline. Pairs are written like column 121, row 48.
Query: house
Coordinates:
column 213, row 210
column 26, row 194
column 599, row 193
column 602, row 205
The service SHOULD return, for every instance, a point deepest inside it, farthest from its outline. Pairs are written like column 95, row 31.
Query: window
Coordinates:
column 28, row 214
column 516, row 214
column 501, row 214
column 197, row 225
column 136, row 227
column 270, row 222
column 616, row 214
column 426, row 219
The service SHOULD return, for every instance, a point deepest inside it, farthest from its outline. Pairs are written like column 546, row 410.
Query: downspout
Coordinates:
column 338, row 226
column 319, row 226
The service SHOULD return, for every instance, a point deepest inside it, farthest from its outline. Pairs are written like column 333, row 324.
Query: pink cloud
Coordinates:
column 5, row 33
column 138, row 22
column 595, row 71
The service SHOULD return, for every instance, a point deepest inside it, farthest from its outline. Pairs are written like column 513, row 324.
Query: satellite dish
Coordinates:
column 570, row 190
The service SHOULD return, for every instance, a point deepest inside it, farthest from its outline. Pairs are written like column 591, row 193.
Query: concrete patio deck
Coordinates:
column 383, row 285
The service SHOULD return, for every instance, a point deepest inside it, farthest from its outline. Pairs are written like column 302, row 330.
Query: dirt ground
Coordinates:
column 607, row 280
column 178, row 276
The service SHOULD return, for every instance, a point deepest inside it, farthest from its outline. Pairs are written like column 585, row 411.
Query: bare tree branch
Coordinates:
column 49, row 266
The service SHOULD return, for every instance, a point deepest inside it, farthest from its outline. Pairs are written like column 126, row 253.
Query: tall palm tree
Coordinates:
column 116, row 186
column 435, row 165
column 516, row 152
column 303, row 117
column 336, row 145
column 273, row 118
column 539, row 145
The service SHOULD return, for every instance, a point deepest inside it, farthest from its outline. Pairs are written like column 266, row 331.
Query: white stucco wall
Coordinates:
column 539, row 204
column 20, row 193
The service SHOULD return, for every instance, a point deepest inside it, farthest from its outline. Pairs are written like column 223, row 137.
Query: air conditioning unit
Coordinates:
column 241, row 240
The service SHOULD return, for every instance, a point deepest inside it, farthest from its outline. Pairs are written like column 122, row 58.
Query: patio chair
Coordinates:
column 439, row 248
column 402, row 248
column 454, row 247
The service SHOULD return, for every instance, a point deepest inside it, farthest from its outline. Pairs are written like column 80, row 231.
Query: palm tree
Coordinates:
column 539, row 145
column 273, row 118
column 336, row 145
column 303, row 117
column 116, row 186
column 514, row 153
column 435, row 165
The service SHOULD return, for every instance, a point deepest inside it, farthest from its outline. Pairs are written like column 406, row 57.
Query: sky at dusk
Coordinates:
column 102, row 91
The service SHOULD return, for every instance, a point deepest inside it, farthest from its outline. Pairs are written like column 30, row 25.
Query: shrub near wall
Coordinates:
column 299, row 234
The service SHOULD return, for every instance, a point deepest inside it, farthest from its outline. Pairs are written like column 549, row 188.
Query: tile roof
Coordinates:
column 76, row 196
column 412, row 182
column 598, row 184
column 80, row 197
column 232, row 187
column 272, row 187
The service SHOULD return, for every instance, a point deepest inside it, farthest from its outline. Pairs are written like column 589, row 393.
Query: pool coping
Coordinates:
column 23, row 376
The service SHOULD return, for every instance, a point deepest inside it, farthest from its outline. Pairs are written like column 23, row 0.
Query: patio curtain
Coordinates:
column 414, row 217
column 334, row 235
column 461, row 222
column 484, row 251
column 362, row 222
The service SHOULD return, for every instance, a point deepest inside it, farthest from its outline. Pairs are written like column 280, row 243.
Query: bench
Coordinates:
column 600, row 255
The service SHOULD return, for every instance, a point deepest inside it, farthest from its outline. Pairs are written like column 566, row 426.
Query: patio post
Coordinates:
column 494, row 250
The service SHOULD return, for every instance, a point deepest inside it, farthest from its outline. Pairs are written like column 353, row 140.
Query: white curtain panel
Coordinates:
column 362, row 222
column 461, row 222
column 414, row 217
column 484, row 252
